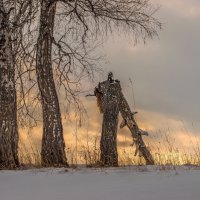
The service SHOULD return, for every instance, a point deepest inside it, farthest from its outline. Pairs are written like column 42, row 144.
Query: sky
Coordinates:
column 165, row 71
column 165, row 75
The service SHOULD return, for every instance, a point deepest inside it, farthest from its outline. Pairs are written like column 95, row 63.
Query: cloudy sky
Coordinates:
column 165, row 74
column 165, row 71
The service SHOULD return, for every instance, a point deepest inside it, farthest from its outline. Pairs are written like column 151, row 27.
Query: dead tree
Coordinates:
column 129, row 121
column 108, row 95
column 111, row 101
column 53, row 145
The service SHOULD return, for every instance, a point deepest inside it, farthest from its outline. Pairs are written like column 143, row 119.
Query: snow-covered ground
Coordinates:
column 101, row 184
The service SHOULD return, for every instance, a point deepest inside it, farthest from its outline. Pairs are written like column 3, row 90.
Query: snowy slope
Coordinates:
column 100, row 184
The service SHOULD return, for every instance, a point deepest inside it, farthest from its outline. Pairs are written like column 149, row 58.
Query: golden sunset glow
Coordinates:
column 168, row 137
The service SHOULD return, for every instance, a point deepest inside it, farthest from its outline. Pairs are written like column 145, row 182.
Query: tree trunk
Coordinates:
column 8, row 106
column 129, row 120
column 53, row 145
column 109, row 103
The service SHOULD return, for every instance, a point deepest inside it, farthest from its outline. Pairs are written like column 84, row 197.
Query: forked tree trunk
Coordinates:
column 8, row 106
column 53, row 145
column 111, row 101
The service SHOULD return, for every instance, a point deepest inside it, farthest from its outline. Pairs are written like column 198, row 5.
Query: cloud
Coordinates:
column 165, row 74
column 164, row 133
column 184, row 8
column 165, row 71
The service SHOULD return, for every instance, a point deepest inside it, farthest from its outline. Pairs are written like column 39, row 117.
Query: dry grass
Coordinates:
column 165, row 149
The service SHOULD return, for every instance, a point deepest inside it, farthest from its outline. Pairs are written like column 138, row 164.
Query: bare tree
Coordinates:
column 13, row 16
column 70, row 50
column 8, row 115
column 53, row 146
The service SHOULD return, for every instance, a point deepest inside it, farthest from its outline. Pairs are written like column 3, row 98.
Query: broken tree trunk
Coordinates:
column 129, row 121
column 53, row 145
column 108, row 95
column 8, row 106
column 111, row 101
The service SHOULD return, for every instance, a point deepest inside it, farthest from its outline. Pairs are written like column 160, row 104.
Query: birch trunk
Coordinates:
column 8, row 106
column 53, row 145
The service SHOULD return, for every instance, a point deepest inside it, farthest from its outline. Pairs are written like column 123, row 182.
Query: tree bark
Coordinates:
column 129, row 120
column 8, row 106
column 109, row 102
column 53, row 145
